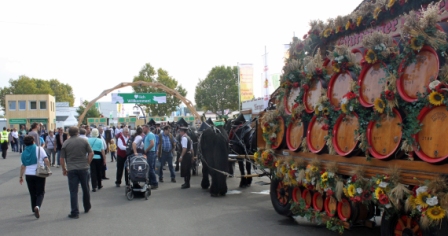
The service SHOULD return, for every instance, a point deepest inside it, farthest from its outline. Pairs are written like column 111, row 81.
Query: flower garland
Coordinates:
column 266, row 158
column 270, row 126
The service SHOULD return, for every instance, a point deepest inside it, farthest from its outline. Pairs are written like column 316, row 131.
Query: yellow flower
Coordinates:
column 435, row 213
column 436, row 98
column 314, row 168
column 416, row 44
column 307, row 176
column 324, row 177
column 358, row 21
column 411, row 202
column 379, row 105
column 336, row 68
column 376, row 12
column 390, row 4
column 347, row 25
column 345, row 191
column 344, row 107
column 316, row 110
column 378, row 192
column 327, row 33
column 370, row 57
column 378, row 181
column 293, row 166
column 277, row 163
column 351, row 190
column 256, row 155
column 326, row 111
column 421, row 199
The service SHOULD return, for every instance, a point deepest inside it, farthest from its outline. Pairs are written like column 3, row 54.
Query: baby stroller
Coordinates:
column 138, row 176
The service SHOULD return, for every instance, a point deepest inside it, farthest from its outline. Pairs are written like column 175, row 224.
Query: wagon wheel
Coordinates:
column 280, row 197
column 407, row 225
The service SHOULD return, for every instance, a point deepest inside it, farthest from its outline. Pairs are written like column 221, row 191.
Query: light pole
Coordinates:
column 143, row 112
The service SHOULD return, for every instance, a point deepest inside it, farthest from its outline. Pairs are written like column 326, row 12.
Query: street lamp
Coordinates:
column 138, row 113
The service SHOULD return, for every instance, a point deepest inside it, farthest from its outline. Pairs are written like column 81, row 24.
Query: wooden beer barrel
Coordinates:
column 315, row 136
column 371, row 83
column 312, row 95
column 297, row 194
column 344, row 138
column 318, row 201
column 385, row 139
column 418, row 75
column 290, row 99
column 279, row 141
column 295, row 134
column 340, row 84
column 331, row 206
column 433, row 135
column 344, row 210
column 307, row 196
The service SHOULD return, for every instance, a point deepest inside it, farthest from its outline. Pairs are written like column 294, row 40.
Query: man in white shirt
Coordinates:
column 15, row 137
column 121, row 156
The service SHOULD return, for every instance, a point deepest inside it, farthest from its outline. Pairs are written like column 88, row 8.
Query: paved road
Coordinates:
column 169, row 211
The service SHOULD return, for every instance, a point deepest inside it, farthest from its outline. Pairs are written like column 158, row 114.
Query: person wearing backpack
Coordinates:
column 121, row 156
column 165, row 148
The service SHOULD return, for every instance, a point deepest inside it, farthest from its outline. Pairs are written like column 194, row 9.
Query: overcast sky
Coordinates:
column 95, row 45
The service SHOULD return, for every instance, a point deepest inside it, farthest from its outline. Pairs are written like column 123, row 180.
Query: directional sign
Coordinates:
column 127, row 120
column 97, row 120
column 186, row 118
column 17, row 121
column 143, row 98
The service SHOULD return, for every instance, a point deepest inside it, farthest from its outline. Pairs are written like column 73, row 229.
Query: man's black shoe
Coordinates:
column 161, row 180
column 173, row 180
column 100, row 187
column 154, row 187
column 184, row 186
column 73, row 216
column 93, row 189
column 105, row 178
column 87, row 210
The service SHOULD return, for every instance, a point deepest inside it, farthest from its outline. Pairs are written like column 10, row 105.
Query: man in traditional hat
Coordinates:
column 186, row 157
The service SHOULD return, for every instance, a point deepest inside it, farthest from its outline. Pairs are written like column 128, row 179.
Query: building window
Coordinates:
column 43, row 105
column 12, row 105
column 33, row 105
column 22, row 105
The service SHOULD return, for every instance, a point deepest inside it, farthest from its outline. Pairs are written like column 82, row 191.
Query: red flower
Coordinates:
column 272, row 139
column 389, row 95
column 352, row 26
column 310, row 187
column 439, row 87
column 295, row 105
column 402, row 2
column 356, row 199
column 383, row 199
column 326, row 127
column 366, row 195
column 305, row 36
column 305, row 86
column 266, row 124
column 354, row 178
column 329, row 192
column 350, row 95
column 318, row 71
column 303, row 74
column 295, row 84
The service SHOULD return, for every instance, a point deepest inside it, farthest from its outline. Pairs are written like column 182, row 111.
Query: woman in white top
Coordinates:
column 50, row 147
column 36, row 185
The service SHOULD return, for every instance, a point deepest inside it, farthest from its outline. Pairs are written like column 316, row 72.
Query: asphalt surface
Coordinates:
column 169, row 210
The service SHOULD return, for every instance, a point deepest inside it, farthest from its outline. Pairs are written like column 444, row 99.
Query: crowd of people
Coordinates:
column 81, row 153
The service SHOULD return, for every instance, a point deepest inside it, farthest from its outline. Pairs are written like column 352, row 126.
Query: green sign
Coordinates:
column 43, row 121
column 186, row 118
column 156, row 118
column 97, row 120
column 17, row 121
column 127, row 120
column 143, row 98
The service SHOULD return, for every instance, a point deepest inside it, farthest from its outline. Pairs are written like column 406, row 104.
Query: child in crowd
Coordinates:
column 112, row 149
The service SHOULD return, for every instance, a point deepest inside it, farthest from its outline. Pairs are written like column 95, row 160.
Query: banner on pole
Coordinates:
column 246, row 81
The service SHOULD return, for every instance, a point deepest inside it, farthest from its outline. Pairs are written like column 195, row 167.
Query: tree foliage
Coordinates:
column 91, row 113
column 219, row 90
column 148, row 74
column 25, row 85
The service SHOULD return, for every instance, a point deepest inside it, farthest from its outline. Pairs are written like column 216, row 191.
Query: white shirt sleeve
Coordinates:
column 121, row 145
column 184, row 142
column 43, row 153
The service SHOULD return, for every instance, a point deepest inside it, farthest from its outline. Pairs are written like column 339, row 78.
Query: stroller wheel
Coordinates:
column 147, row 193
column 130, row 195
column 127, row 189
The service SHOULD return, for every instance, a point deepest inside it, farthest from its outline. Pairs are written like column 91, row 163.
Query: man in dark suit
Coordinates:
column 60, row 139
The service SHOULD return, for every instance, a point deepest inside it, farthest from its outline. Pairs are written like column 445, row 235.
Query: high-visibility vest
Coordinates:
column 5, row 135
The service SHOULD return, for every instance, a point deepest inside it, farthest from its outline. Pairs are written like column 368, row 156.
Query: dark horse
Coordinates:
column 213, row 151
column 243, row 141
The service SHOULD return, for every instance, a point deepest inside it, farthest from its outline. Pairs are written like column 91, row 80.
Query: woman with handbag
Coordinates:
column 98, row 161
column 33, row 158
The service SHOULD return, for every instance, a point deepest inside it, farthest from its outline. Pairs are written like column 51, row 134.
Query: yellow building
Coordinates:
column 25, row 109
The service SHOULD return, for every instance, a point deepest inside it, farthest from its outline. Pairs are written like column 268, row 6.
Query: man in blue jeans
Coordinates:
column 76, row 156
column 150, row 150
column 165, row 148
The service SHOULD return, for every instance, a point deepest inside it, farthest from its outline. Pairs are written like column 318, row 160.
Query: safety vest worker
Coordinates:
column 5, row 135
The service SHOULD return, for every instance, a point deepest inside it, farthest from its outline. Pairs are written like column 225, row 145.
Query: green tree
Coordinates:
column 91, row 113
column 26, row 85
column 148, row 74
column 219, row 90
